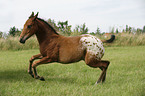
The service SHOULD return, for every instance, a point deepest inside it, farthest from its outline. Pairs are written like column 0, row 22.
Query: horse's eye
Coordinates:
column 29, row 26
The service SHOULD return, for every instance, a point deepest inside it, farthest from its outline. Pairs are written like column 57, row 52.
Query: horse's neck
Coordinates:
column 44, row 33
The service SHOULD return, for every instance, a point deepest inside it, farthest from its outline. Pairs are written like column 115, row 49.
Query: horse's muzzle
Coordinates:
column 22, row 41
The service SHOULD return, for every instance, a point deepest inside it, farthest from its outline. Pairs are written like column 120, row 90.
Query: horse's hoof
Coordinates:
column 42, row 79
column 32, row 75
column 96, row 83
column 37, row 77
column 30, row 72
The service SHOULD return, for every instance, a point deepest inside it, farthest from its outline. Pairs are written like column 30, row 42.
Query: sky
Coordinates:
column 104, row 14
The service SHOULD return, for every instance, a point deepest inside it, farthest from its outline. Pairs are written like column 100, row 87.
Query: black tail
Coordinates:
column 109, row 40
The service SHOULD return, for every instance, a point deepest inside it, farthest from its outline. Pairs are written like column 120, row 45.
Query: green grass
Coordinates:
column 125, row 75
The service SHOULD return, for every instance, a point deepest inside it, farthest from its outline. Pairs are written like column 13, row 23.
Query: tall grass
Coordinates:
column 12, row 43
column 126, row 40
column 129, row 40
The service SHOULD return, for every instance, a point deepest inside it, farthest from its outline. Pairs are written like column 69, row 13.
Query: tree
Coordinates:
column 98, row 31
column 127, row 29
column 76, row 30
column 52, row 22
column 1, row 34
column 123, row 31
column 138, row 31
column 14, row 31
column 64, row 27
column 143, row 31
column 112, row 30
column 117, row 31
column 93, row 33
column 83, row 29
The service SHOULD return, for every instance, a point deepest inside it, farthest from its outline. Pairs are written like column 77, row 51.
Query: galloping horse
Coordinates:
column 58, row 48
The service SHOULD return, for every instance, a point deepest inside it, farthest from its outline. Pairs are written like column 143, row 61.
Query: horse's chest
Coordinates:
column 51, row 51
column 93, row 45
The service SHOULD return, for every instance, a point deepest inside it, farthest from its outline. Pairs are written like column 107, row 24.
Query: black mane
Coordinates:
column 48, row 25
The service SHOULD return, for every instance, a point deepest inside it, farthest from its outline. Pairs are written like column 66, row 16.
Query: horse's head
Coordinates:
column 29, row 29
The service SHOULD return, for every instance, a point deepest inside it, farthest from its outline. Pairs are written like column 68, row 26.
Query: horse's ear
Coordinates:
column 36, row 16
column 32, row 15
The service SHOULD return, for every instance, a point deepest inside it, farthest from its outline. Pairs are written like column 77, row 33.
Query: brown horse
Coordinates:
column 58, row 48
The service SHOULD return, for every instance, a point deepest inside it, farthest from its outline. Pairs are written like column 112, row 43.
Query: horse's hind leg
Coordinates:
column 103, row 65
column 34, row 57
column 104, row 77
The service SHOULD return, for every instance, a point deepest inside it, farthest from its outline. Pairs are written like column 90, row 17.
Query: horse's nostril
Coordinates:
column 22, row 41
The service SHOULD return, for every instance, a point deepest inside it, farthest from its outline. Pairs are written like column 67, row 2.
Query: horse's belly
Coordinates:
column 93, row 45
column 71, row 55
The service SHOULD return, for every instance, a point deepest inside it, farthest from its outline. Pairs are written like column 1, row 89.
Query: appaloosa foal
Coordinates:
column 58, row 48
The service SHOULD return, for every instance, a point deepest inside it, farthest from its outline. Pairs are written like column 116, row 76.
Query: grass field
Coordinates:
column 125, row 75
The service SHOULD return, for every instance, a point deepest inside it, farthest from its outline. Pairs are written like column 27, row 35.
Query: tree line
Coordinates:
column 66, row 29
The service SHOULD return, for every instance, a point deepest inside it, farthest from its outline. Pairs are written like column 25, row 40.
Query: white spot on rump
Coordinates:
column 93, row 45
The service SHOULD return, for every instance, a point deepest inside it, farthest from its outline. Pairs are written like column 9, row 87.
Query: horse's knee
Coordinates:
column 34, row 65
column 38, row 56
column 31, row 59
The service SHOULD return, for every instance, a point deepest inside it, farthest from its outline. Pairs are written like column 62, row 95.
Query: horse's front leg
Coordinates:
column 34, row 57
column 44, row 60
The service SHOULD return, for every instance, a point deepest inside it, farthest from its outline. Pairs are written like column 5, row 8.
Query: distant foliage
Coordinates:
column 129, row 36
column 64, row 28
column 1, row 34
column 81, row 29
column 143, row 31
column 127, row 28
column 84, row 29
column 14, row 31
column 12, row 43
column 117, row 31
column 98, row 32
column 131, row 30
column 67, row 30
column 52, row 23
